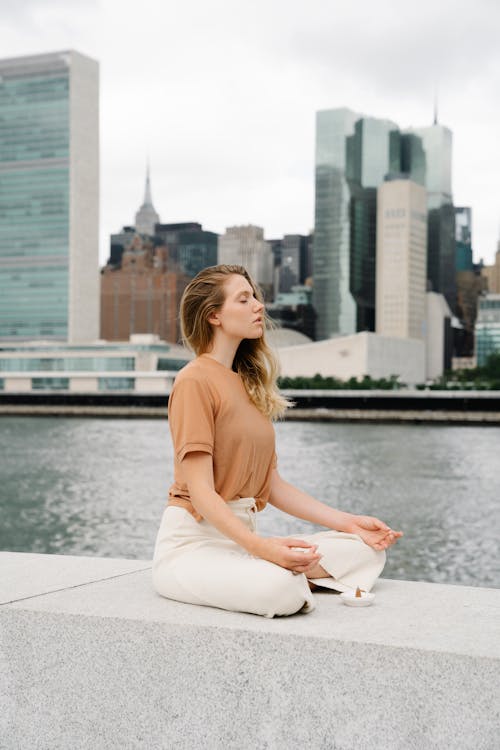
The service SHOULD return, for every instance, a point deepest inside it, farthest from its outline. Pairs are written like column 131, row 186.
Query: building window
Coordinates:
column 116, row 384
column 170, row 364
column 50, row 384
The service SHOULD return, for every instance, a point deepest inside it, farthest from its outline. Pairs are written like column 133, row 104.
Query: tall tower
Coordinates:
column 146, row 217
column 332, row 300
column 401, row 259
column 246, row 246
column 437, row 143
column 352, row 159
column 49, row 198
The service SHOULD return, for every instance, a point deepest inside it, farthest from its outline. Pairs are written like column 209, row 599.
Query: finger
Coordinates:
column 302, row 567
column 291, row 542
column 304, row 563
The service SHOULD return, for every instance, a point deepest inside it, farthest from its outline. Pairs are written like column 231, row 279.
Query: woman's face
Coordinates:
column 242, row 315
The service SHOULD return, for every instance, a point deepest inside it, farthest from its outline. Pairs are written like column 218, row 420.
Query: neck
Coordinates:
column 223, row 351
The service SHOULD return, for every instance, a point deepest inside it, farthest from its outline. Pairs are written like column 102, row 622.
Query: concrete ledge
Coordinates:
column 91, row 657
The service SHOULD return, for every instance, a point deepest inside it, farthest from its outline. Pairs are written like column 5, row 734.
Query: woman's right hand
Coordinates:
column 294, row 554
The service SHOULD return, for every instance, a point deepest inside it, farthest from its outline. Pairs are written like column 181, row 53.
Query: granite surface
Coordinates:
column 104, row 662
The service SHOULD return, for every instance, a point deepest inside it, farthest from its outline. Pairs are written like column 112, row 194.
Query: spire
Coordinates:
column 146, row 217
column 148, row 201
column 435, row 106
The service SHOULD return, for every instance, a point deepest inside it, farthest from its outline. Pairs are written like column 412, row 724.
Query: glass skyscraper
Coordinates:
column 352, row 158
column 49, row 195
column 332, row 299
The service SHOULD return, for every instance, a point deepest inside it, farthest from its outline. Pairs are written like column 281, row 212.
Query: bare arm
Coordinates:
column 199, row 473
column 290, row 499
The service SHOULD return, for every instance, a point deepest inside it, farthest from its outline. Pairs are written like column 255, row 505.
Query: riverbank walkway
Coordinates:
column 91, row 657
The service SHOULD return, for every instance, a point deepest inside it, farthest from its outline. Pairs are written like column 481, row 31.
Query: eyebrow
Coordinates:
column 243, row 291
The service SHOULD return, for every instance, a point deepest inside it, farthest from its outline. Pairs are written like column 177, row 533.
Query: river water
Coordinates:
column 98, row 487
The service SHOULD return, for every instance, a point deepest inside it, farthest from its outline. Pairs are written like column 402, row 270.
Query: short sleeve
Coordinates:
column 191, row 418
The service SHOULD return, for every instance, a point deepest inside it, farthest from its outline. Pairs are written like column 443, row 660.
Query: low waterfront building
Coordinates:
column 364, row 353
column 144, row 364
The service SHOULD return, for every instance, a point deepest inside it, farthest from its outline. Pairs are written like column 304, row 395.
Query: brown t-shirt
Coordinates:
column 209, row 410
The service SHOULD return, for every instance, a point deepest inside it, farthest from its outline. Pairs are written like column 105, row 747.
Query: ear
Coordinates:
column 214, row 320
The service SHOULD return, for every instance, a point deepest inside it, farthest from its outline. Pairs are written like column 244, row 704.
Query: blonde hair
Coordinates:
column 254, row 360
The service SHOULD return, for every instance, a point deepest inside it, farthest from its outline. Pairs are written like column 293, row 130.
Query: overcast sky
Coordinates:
column 222, row 95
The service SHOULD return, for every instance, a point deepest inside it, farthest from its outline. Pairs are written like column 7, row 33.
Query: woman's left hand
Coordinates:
column 374, row 532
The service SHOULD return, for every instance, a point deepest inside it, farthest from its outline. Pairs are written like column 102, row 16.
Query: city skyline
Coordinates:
column 222, row 99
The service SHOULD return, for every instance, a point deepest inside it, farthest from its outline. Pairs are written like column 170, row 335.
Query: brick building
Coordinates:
column 142, row 295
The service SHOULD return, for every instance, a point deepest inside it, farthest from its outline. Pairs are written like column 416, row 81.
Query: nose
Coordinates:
column 258, row 306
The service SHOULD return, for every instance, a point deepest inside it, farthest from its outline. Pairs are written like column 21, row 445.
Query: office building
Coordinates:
column 492, row 274
column 246, row 246
column 463, row 239
column 437, row 145
column 353, row 156
column 190, row 247
column 401, row 259
column 49, row 198
column 292, row 261
column 438, row 336
column 469, row 282
column 487, row 333
column 441, row 244
column 332, row 299
column 141, row 296
column 293, row 310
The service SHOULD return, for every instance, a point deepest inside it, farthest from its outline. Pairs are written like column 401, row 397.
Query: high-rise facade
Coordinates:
column 353, row 155
column 437, row 144
column 332, row 299
column 49, row 198
column 492, row 274
column 190, row 247
column 401, row 259
column 487, row 327
column 441, row 247
column 463, row 239
column 246, row 246
column 292, row 261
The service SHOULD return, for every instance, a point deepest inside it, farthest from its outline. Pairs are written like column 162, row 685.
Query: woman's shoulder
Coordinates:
column 196, row 378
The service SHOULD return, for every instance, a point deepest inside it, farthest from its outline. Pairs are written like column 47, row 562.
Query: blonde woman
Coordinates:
column 208, row 550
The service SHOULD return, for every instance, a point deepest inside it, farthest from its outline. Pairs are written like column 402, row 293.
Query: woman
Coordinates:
column 220, row 409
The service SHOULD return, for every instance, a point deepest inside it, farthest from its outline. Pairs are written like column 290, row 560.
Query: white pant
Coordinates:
column 194, row 563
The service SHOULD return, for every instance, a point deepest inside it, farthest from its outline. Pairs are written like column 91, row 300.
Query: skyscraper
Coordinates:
column 353, row 155
column 463, row 239
column 49, row 197
column 437, row 143
column 190, row 247
column 401, row 259
column 246, row 246
column 332, row 299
